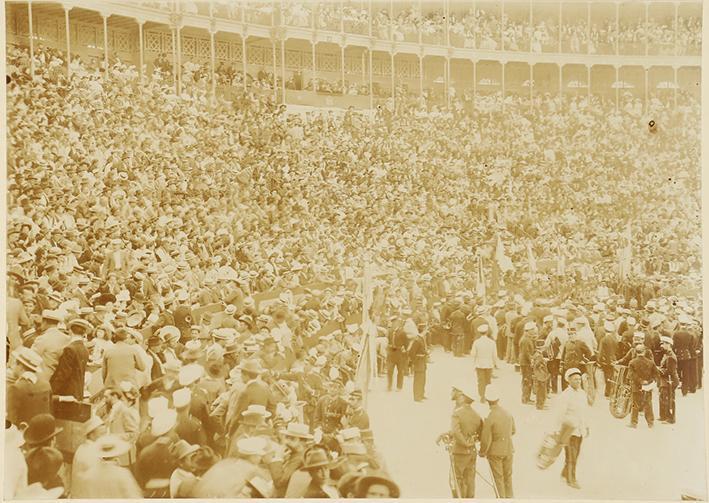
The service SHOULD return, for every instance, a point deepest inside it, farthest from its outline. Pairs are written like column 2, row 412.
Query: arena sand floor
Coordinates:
column 616, row 462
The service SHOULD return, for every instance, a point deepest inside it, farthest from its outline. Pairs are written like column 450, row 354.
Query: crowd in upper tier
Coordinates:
column 145, row 228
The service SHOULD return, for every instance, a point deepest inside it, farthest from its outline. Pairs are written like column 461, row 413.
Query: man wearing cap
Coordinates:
column 418, row 355
column 608, row 354
column 638, row 340
column 68, row 379
column 458, row 327
column 574, row 354
column 356, row 414
column 484, row 353
column 669, row 380
column 685, row 347
column 643, row 374
column 526, row 350
column 554, row 342
column 396, row 356
column 496, row 443
column 572, row 410
column 466, row 427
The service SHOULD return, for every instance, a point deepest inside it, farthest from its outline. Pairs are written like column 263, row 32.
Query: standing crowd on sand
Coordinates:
column 185, row 275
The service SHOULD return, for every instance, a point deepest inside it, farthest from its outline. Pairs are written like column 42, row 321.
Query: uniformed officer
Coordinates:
column 466, row 428
column 418, row 354
column 668, row 381
column 496, row 443
column 526, row 350
column 607, row 354
column 396, row 356
column 643, row 373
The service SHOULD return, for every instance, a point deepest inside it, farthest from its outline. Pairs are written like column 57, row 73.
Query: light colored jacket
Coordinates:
column 122, row 362
column 484, row 353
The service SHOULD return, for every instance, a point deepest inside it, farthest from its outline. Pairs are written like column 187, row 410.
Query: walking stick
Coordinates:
column 494, row 486
column 452, row 479
column 455, row 487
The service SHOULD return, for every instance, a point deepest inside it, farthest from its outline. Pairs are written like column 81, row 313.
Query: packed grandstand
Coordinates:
column 225, row 235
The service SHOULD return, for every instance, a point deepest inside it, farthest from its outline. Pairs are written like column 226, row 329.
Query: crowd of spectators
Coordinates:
column 486, row 29
column 146, row 231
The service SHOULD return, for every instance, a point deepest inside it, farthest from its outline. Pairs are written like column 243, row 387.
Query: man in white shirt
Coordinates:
column 571, row 411
column 484, row 359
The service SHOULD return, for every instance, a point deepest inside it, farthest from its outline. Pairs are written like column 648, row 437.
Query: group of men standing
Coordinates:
column 557, row 348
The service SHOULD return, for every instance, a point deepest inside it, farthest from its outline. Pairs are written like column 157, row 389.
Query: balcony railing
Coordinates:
column 680, row 36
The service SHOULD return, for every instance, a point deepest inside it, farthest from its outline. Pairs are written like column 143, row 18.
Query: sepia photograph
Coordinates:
column 353, row 249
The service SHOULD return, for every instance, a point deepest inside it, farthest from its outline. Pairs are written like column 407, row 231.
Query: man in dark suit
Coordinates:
column 446, row 310
column 496, row 443
column 607, row 354
column 458, row 324
column 668, row 381
column 643, row 374
column 526, row 350
column 155, row 345
column 396, row 356
column 255, row 392
column 684, row 348
column 68, row 379
column 574, row 354
column 418, row 354
column 466, row 427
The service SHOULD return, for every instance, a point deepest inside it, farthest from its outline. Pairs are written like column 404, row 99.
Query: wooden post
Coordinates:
column 68, row 40
column 371, row 81
column 212, row 63
column 420, row 75
column 178, row 34
column 243, row 57
column 283, row 69
column 531, row 86
column 105, row 39
column 174, row 56
column 315, row 73
column 275, row 69
column 342, row 67
column 29, row 18
column 393, row 89
column 617, row 88
column 141, row 50
column 475, row 80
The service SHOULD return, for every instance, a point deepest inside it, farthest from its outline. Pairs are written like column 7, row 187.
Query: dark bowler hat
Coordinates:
column 41, row 428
